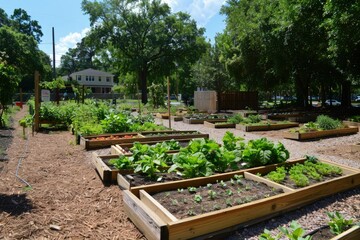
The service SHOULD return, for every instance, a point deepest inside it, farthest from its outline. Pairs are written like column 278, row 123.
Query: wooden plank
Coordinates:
column 107, row 174
column 212, row 124
column 265, row 127
column 123, row 182
column 149, row 223
column 268, row 182
column 351, row 234
column 321, row 134
column 156, row 207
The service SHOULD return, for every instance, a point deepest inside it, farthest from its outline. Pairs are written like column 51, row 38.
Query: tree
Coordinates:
column 9, row 80
column 144, row 34
column 21, row 21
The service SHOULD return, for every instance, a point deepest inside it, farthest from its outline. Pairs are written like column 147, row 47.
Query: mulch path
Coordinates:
column 66, row 199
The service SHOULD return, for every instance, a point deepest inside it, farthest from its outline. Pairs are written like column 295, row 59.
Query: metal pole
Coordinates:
column 53, row 45
column 37, row 100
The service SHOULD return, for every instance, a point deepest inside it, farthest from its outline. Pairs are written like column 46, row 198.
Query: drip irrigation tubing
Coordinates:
column 21, row 158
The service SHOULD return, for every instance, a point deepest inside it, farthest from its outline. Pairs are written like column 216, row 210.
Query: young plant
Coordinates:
column 198, row 198
column 122, row 162
column 192, row 189
column 266, row 235
column 295, row 232
column 212, row 194
column 338, row 223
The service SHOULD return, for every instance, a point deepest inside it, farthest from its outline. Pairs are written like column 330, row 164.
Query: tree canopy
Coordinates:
column 146, row 37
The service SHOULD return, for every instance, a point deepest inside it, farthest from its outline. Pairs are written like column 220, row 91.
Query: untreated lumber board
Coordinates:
column 212, row 124
column 265, row 127
column 351, row 234
column 320, row 134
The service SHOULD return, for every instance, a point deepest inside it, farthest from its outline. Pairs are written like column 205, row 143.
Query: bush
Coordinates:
column 327, row 123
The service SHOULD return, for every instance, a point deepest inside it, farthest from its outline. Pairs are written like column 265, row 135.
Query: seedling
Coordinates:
column 295, row 232
column 197, row 198
column 212, row 194
column 338, row 223
column 192, row 189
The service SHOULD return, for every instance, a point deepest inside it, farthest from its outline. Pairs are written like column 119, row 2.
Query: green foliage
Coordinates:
column 231, row 142
column 263, row 152
column 57, row 83
column 166, row 37
column 252, row 119
column 278, row 175
column 156, row 95
column 338, row 224
column 115, row 123
column 149, row 166
column 26, row 121
column 295, row 232
column 266, row 235
column 192, row 165
column 122, row 162
column 236, row 118
column 327, row 123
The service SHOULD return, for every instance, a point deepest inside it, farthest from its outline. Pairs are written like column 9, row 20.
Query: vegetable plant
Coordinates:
column 338, row 223
column 295, row 232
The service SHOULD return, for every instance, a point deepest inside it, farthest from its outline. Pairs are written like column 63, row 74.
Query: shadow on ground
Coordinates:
column 15, row 204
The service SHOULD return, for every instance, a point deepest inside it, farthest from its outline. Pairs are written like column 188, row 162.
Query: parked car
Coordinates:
column 333, row 102
column 357, row 99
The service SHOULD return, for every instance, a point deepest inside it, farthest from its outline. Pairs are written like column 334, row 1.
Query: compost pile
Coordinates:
column 66, row 198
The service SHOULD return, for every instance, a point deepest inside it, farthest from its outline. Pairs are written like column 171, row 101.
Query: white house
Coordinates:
column 98, row 81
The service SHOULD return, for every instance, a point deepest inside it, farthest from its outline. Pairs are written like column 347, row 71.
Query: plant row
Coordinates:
column 203, row 157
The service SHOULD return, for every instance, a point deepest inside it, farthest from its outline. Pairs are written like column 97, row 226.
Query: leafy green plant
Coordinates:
column 266, row 235
column 327, row 123
column 198, row 198
column 236, row 119
column 122, row 162
column 278, row 175
column 261, row 152
column 338, row 224
column 231, row 142
column 114, row 123
column 149, row 166
column 212, row 194
column 295, row 232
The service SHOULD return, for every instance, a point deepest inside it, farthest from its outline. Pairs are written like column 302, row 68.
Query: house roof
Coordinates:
column 92, row 72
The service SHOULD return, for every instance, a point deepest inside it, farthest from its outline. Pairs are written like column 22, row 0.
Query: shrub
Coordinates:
column 327, row 123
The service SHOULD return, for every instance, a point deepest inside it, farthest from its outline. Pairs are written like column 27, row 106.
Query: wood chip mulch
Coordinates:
column 67, row 200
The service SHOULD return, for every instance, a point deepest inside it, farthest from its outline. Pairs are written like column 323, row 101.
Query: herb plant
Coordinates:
column 338, row 223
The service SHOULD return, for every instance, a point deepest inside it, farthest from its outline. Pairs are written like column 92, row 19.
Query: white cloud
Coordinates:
column 203, row 10
column 200, row 10
column 69, row 41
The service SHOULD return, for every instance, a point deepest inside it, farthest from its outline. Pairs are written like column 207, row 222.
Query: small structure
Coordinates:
column 98, row 81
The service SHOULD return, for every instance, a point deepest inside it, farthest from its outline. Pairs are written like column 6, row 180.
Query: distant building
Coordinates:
column 98, row 81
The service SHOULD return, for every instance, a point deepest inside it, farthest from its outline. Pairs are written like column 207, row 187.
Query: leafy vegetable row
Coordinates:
column 203, row 157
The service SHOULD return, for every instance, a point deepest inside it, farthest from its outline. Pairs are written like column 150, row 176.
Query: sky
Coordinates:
column 71, row 24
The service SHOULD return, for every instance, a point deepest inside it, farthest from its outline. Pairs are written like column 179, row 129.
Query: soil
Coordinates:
column 322, row 233
column 184, row 203
column 58, row 194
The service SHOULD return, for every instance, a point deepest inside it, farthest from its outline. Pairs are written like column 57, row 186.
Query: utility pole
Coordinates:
column 53, row 45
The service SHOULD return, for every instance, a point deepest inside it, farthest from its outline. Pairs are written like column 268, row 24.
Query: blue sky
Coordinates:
column 71, row 24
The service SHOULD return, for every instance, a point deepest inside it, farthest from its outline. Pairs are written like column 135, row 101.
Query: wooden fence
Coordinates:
column 237, row 100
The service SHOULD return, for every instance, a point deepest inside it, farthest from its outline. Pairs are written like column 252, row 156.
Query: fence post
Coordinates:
column 37, row 100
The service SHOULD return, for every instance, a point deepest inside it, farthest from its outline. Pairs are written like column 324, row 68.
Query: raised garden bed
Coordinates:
column 352, row 123
column 199, row 119
column 324, row 232
column 107, row 173
column 157, row 222
column 320, row 134
column 219, row 123
column 106, row 140
column 266, row 126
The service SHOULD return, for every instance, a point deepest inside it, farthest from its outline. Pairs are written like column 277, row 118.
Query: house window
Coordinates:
column 92, row 78
column 87, row 78
column 108, row 79
column 79, row 77
column 99, row 79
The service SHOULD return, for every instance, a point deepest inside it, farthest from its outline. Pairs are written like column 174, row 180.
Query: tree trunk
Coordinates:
column 143, row 84
column 346, row 94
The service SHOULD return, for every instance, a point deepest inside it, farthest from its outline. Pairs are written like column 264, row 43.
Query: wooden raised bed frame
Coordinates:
column 321, row 134
column 265, row 127
column 212, row 123
column 351, row 234
column 351, row 123
column 157, row 223
column 200, row 121
column 107, row 174
column 141, row 137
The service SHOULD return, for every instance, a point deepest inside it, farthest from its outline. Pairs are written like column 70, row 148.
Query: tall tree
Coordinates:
column 21, row 21
column 144, row 33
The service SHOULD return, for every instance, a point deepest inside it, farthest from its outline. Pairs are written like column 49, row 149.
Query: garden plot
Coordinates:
column 298, row 135
column 200, row 118
column 160, row 220
column 219, row 123
column 266, row 126
column 106, row 140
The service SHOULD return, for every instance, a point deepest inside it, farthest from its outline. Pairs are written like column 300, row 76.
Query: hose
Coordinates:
column 21, row 158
